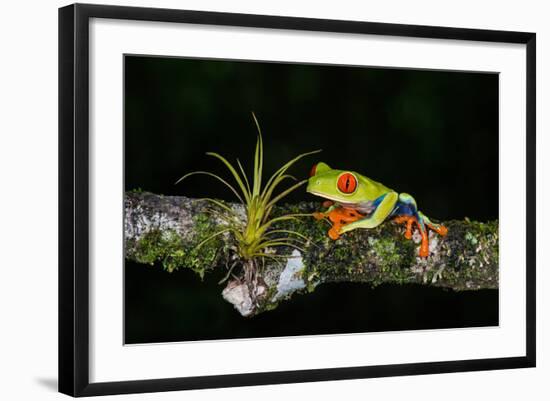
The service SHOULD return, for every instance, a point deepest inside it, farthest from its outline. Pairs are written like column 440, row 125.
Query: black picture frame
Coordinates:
column 74, row 191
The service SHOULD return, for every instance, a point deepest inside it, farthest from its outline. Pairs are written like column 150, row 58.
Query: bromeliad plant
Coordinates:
column 255, row 236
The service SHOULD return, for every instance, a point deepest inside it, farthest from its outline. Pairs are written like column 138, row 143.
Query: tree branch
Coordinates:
column 167, row 229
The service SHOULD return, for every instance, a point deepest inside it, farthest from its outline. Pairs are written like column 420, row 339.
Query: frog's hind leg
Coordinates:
column 407, row 212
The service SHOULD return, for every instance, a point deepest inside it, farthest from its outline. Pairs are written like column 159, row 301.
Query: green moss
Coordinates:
column 311, row 283
column 386, row 251
column 471, row 238
column 203, row 224
column 472, row 255
column 270, row 306
column 168, row 248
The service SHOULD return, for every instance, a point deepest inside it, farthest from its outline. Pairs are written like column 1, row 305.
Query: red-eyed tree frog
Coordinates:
column 356, row 201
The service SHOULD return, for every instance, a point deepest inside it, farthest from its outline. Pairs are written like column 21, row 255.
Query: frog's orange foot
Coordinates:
column 424, row 250
column 409, row 220
column 333, row 233
column 438, row 228
column 318, row 215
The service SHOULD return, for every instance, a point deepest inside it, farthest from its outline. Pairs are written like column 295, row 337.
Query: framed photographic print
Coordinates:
column 251, row 199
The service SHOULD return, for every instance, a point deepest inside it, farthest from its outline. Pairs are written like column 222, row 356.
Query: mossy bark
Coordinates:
column 167, row 229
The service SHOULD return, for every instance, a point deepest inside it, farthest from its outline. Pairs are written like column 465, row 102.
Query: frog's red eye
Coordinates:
column 347, row 183
column 313, row 170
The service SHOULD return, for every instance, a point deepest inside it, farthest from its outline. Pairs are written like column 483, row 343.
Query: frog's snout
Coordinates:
column 312, row 183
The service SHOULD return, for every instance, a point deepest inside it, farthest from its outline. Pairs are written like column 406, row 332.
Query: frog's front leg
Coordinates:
column 382, row 211
column 321, row 215
column 339, row 216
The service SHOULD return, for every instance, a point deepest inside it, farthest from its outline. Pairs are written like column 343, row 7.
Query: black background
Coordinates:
column 432, row 134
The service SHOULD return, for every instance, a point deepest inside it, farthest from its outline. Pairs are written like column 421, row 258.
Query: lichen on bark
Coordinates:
column 167, row 229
